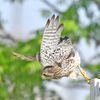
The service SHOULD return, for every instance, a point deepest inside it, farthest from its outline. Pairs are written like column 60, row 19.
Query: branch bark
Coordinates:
column 96, row 2
column 93, row 37
column 52, row 6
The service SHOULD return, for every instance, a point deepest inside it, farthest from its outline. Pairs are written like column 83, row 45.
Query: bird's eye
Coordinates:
column 44, row 74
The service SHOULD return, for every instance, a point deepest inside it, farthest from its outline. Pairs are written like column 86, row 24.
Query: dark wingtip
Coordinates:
column 53, row 17
column 62, row 25
column 48, row 21
column 57, row 18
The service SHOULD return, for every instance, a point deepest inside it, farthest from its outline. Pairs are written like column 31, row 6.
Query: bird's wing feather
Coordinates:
column 71, row 61
column 50, row 40
column 61, row 52
column 23, row 57
column 65, row 40
column 64, row 48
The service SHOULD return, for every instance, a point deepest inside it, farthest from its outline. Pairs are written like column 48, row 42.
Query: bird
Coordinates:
column 57, row 55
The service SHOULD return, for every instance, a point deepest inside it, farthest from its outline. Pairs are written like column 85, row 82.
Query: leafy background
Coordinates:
column 21, row 80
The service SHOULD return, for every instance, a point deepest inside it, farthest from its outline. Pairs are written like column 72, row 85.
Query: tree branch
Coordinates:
column 52, row 6
column 97, row 3
column 93, row 37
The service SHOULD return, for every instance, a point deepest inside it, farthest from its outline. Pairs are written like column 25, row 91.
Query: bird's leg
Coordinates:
column 84, row 74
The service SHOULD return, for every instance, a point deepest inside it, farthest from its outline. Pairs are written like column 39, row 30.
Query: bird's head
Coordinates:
column 47, row 73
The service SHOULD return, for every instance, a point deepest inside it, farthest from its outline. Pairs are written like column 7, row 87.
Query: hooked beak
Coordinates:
column 43, row 77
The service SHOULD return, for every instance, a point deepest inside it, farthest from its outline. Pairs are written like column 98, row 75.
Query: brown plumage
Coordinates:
column 57, row 55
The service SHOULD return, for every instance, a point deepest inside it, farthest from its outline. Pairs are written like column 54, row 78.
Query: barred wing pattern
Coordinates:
column 54, row 48
column 51, row 38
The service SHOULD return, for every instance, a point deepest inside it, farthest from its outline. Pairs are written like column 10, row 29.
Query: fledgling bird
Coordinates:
column 57, row 55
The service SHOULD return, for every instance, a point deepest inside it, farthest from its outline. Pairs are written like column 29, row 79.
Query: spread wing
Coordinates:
column 50, row 40
column 24, row 57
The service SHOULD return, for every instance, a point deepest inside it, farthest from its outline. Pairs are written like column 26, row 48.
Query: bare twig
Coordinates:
column 52, row 6
column 93, row 37
column 98, row 4
column 7, row 36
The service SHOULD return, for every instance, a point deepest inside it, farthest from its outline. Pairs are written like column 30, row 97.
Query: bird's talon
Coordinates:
column 84, row 74
column 87, row 78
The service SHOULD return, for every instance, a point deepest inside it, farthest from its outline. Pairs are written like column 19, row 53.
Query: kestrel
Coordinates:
column 57, row 55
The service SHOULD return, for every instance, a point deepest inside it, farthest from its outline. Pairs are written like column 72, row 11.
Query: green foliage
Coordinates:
column 22, row 75
column 95, row 70
column 18, row 78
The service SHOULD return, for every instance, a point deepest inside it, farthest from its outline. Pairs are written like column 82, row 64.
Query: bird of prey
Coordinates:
column 57, row 55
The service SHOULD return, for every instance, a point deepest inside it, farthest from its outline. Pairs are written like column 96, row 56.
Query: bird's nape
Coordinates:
column 47, row 72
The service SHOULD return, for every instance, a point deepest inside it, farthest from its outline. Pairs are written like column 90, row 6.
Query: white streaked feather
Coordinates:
column 52, row 50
